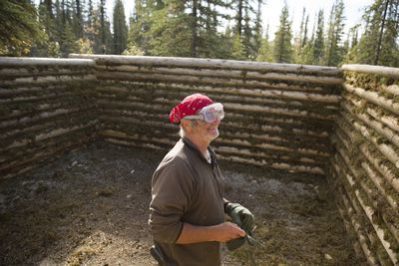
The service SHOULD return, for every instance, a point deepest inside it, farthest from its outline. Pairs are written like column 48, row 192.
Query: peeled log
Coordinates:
column 380, row 232
column 374, row 98
column 362, row 241
column 378, row 182
column 378, row 127
column 29, row 61
column 208, row 63
column 386, row 149
column 284, row 86
column 371, row 69
column 389, row 120
column 384, row 171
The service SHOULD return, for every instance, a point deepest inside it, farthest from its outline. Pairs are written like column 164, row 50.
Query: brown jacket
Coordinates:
column 186, row 189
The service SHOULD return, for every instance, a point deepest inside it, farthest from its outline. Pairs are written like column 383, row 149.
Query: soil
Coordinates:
column 90, row 207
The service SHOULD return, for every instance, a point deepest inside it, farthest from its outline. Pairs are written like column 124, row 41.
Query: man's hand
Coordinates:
column 221, row 233
column 241, row 216
column 227, row 231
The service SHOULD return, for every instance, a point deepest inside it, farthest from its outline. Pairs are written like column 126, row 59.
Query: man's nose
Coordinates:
column 216, row 122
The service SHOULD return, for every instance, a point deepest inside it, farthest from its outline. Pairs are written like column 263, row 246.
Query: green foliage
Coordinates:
column 195, row 28
column 133, row 50
column 265, row 52
column 18, row 28
column 120, row 28
column 333, row 53
column 379, row 42
column 238, row 50
column 282, row 52
column 170, row 31
column 318, row 45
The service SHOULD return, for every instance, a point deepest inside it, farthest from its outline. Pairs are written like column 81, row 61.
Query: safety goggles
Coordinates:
column 209, row 113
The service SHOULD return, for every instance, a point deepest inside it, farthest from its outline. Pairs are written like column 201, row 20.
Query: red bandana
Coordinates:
column 189, row 106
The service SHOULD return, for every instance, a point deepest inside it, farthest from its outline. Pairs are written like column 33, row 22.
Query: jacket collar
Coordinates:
column 192, row 146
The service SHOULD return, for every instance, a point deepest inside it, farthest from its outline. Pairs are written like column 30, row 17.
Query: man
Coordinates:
column 187, row 206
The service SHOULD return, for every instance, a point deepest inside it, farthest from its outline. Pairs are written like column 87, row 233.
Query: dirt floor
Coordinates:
column 90, row 207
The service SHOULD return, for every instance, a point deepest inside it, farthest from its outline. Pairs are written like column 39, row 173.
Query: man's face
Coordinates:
column 208, row 131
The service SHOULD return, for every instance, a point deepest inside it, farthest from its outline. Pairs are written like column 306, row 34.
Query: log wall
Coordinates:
column 277, row 115
column 46, row 108
column 302, row 119
column 365, row 167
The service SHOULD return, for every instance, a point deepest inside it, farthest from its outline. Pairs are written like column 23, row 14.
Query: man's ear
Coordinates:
column 186, row 125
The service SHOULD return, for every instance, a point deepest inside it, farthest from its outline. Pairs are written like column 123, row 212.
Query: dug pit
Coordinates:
column 90, row 207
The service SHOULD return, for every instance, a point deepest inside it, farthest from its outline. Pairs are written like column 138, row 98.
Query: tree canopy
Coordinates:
column 228, row 29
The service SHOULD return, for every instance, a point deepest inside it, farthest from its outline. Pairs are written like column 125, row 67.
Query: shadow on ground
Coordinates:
column 90, row 207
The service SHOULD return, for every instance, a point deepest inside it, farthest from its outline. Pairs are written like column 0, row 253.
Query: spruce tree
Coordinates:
column 265, row 50
column 282, row 50
column 19, row 27
column 318, row 43
column 333, row 54
column 120, row 28
column 138, row 30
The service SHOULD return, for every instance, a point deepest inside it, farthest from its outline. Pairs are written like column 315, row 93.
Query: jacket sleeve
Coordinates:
column 172, row 189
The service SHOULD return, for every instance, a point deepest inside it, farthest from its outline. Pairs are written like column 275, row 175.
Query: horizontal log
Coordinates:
column 284, row 152
column 43, row 136
column 278, row 166
column 374, row 98
column 282, row 85
column 378, row 163
column 371, row 259
column 47, row 79
column 30, row 61
column 279, row 139
column 379, row 183
column 150, row 146
column 272, row 148
column 266, row 129
column 113, row 134
column 251, row 123
column 33, row 99
column 380, row 115
column 264, row 154
column 38, row 118
column 226, row 82
column 305, row 127
column 371, row 69
column 280, row 111
column 208, row 63
column 379, row 230
column 370, row 233
column 22, row 116
column 165, row 106
column 14, row 73
column 31, row 90
column 386, row 149
column 310, row 115
column 26, row 132
column 32, row 161
column 391, row 121
column 392, row 89
column 224, row 73
column 224, row 94
column 368, row 210
column 392, row 136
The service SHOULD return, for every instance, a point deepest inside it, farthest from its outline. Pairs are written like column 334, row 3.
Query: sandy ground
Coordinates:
column 90, row 207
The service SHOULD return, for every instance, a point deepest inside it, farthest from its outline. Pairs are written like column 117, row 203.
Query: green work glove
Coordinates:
column 235, row 243
column 241, row 216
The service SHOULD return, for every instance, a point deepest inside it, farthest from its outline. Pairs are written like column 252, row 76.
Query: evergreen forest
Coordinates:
column 225, row 29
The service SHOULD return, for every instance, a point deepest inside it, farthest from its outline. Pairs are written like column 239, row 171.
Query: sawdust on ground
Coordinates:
column 90, row 207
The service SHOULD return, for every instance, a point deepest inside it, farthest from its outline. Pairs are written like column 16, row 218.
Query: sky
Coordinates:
column 272, row 9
